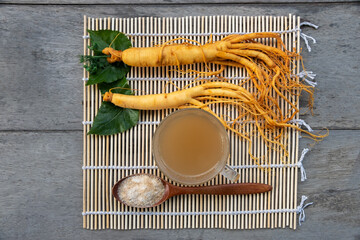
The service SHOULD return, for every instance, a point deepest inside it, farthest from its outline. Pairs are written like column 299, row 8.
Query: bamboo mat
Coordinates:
column 106, row 159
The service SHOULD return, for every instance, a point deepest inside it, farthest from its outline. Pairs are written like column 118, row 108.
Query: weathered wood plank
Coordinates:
column 167, row 2
column 41, row 194
column 40, row 77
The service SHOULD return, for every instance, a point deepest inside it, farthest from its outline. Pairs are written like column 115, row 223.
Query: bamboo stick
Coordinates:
column 274, row 172
column 84, row 129
column 238, row 145
column 230, row 21
column 260, row 172
column 102, row 157
column 259, row 148
column 270, row 175
column 121, row 173
column 297, row 34
column 230, row 199
column 147, row 135
column 264, row 174
column 130, row 159
column 291, row 139
column 240, row 28
column 99, row 154
column 114, row 205
column 256, row 146
column 251, row 177
column 88, row 141
column 105, row 173
column 279, row 155
column 96, row 157
column 110, row 156
column 214, row 200
column 245, row 27
column 198, row 204
column 287, row 169
column 92, row 150
column 286, row 175
column 109, row 173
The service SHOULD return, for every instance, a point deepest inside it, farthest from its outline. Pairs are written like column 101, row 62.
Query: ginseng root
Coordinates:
column 266, row 119
column 268, row 67
column 187, row 53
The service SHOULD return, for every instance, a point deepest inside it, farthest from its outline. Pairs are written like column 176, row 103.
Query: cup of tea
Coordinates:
column 191, row 147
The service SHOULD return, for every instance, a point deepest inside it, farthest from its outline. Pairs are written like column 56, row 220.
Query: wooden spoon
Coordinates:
column 224, row 189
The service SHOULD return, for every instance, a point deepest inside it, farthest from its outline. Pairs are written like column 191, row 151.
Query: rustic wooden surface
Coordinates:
column 167, row 2
column 41, row 114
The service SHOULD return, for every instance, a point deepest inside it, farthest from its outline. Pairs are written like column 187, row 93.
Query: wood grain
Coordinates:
column 40, row 115
column 167, row 2
column 40, row 77
column 42, row 196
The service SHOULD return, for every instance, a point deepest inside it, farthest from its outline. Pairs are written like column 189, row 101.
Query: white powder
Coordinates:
column 141, row 190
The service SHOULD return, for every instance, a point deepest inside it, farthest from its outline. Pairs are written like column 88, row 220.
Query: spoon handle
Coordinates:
column 225, row 189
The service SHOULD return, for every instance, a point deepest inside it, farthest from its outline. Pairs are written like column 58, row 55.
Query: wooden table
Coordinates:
column 41, row 114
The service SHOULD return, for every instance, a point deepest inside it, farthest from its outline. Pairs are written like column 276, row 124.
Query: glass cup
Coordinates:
column 195, row 179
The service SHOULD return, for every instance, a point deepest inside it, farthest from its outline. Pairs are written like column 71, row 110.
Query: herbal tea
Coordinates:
column 191, row 144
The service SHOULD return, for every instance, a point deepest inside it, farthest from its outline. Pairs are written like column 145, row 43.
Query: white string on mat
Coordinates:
column 181, row 79
column 298, row 164
column 118, row 167
column 173, row 79
column 302, row 35
column 309, row 24
column 302, row 123
column 302, row 169
column 301, row 207
column 303, row 74
column 300, row 210
column 196, row 34
column 155, row 167
column 190, row 213
column 149, row 123
column 201, row 34
column 296, row 121
column 306, row 37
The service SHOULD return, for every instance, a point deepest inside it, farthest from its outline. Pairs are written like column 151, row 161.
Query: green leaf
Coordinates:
column 112, row 119
column 99, row 68
column 103, row 38
column 94, row 63
column 109, row 73
column 120, row 86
